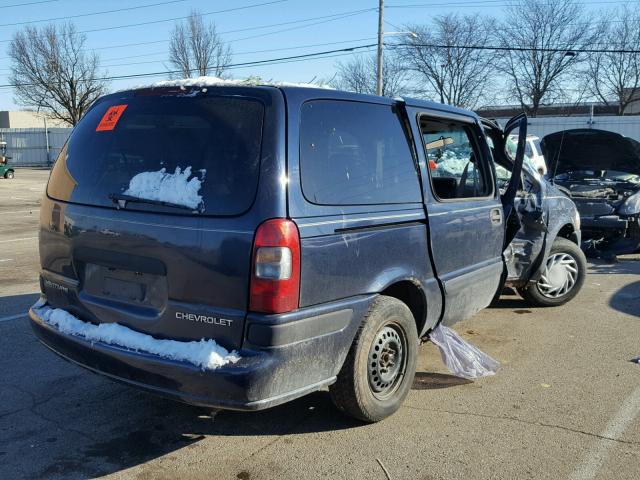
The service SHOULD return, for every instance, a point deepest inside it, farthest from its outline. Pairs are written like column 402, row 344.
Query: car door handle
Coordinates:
column 496, row 216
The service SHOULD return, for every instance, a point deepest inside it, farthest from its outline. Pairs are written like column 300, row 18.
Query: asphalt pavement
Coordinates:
column 564, row 405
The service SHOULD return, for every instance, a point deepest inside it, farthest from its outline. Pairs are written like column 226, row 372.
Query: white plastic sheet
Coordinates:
column 461, row 358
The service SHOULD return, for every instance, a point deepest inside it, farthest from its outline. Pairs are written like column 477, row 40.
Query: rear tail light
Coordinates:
column 275, row 272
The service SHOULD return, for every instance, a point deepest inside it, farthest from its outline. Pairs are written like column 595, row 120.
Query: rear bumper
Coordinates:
column 283, row 357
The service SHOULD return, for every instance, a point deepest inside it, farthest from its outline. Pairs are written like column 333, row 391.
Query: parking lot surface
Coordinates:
column 565, row 403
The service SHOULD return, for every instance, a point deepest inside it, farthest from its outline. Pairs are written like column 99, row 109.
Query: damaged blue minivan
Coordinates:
column 238, row 246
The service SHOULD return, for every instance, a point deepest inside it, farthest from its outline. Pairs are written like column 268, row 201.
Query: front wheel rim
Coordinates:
column 387, row 361
column 559, row 276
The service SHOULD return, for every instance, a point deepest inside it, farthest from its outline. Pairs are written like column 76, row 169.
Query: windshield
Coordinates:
column 200, row 152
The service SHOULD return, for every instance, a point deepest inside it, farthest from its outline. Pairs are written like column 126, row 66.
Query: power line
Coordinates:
column 518, row 49
column 90, row 14
column 355, row 13
column 239, row 53
column 335, row 16
column 495, row 4
column 273, row 62
column 153, row 22
column 234, row 53
column 260, row 27
column 28, row 3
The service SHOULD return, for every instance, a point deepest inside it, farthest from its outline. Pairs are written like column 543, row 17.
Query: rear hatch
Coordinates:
column 149, row 220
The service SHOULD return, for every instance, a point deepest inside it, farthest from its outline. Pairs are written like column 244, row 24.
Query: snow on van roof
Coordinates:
column 206, row 81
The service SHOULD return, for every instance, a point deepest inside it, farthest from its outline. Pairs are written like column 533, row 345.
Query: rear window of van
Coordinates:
column 201, row 152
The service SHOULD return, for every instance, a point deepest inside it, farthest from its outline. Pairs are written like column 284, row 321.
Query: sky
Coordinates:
column 135, row 40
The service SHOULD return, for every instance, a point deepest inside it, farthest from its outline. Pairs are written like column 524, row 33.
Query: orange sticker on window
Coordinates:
column 110, row 118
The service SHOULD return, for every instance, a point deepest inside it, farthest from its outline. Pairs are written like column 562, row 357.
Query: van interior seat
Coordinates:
column 445, row 187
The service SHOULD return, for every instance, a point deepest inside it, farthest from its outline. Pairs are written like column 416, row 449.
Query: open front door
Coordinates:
column 525, row 246
column 514, row 132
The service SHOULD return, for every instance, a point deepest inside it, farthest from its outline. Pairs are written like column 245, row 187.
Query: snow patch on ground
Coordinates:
column 206, row 354
column 220, row 82
column 168, row 187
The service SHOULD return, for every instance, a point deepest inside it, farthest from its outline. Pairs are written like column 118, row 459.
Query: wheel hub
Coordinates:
column 386, row 360
column 559, row 276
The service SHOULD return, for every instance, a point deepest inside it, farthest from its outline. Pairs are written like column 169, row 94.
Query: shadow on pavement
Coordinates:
column 627, row 299
column 432, row 381
column 621, row 267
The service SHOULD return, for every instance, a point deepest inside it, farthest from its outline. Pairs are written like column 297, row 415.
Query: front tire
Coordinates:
column 379, row 369
column 8, row 175
column 562, row 278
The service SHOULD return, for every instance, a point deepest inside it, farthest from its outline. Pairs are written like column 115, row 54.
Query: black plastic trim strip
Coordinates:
column 379, row 226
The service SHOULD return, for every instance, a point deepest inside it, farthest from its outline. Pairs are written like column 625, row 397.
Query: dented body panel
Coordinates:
column 544, row 211
column 544, row 216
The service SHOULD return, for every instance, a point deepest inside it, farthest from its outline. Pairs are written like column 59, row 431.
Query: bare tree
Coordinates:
column 540, row 37
column 446, row 70
column 359, row 75
column 196, row 48
column 614, row 78
column 52, row 72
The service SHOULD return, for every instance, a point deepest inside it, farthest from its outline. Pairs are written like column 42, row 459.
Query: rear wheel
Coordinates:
column 562, row 277
column 8, row 174
column 379, row 369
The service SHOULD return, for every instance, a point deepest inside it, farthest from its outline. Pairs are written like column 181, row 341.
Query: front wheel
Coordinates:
column 379, row 369
column 8, row 174
column 562, row 277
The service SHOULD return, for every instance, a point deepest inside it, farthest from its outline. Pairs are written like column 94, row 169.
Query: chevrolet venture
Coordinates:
column 240, row 246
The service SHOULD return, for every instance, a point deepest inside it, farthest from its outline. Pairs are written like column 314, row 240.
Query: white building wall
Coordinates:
column 629, row 126
column 26, row 119
column 32, row 147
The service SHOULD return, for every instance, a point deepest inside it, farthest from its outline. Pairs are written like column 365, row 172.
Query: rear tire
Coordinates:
column 8, row 175
column 379, row 369
column 564, row 257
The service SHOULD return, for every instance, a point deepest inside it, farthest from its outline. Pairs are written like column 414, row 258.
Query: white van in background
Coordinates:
column 532, row 152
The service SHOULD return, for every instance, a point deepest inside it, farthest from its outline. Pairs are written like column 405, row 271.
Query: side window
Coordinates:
column 455, row 166
column 502, row 174
column 355, row 154
column 527, row 149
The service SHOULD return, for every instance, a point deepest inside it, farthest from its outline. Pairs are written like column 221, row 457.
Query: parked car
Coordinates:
column 544, row 261
column 238, row 247
column 6, row 170
column 532, row 152
column 600, row 171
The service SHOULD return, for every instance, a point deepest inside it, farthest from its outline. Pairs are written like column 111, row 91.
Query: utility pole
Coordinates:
column 380, row 47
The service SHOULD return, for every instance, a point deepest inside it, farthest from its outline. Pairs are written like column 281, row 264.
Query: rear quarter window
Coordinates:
column 355, row 153
column 219, row 138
